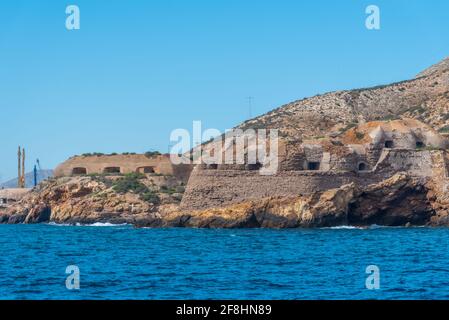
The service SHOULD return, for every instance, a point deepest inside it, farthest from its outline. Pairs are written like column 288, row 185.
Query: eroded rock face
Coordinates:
column 78, row 199
column 398, row 201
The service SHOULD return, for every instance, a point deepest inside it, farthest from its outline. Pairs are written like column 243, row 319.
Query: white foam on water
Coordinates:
column 96, row 224
column 105, row 224
column 59, row 224
column 345, row 228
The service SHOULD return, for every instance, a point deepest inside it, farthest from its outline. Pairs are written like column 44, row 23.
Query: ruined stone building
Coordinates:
column 11, row 196
column 122, row 164
column 364, row 154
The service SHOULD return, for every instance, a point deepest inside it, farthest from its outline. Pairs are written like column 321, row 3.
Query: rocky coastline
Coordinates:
column 401, row 200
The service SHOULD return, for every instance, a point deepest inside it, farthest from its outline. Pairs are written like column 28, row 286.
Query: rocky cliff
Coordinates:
column 398, row 201
column 91, row 199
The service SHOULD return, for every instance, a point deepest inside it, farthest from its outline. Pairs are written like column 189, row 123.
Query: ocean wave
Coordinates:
column 96, row 224
column 345, row 228
column 59, row 224
column 103, row 224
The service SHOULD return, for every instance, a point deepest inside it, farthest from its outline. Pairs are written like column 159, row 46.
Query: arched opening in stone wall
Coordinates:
column 362, row 166
column 389, row 144
column 420, row 144
column 111, row 170
column 253, row 166
column 79, row 171
column 314, row 166
column 146, row 170
column 212, row 166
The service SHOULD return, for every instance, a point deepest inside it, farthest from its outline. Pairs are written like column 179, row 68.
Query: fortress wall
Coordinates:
column 213, row 188
column 418, row 163
column 127, row 164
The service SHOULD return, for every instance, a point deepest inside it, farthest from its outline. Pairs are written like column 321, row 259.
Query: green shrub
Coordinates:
column 348, row 126
column 94, row 154
column 130, row 183
column 151, row 154
column 165, row 189
column 444, row 129
column 150, row 196
column 418, row 109
column 389, row 117
column 359, row 135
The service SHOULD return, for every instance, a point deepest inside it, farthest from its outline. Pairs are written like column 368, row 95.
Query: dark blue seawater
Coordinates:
column 125, row 263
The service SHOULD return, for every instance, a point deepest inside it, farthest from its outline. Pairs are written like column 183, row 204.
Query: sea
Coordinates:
column 103, row 261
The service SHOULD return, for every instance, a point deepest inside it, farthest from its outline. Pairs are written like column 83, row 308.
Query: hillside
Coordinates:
column 29, row 179
column 426, row 98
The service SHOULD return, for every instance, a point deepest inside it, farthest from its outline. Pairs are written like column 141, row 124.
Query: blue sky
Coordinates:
column 136, row 70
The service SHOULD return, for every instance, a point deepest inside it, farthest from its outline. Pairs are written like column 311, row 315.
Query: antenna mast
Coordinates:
column 250, row 106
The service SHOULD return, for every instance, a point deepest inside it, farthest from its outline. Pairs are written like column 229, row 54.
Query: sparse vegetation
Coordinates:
column 94, row 154
column 389, row 117
column 130, row 183
column 359, row 135
column 428, row 148
column 151, row 154
column 418, row 109
column 165, row 189
column 150, row 196
column 444, row 129
column 348, row 126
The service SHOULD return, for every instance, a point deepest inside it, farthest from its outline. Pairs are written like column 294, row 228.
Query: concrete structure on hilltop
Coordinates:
column 122, row 164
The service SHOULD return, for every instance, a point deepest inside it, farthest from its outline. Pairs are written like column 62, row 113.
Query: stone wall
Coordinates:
column 122, row 164
column 418, row 163
column 215, row 188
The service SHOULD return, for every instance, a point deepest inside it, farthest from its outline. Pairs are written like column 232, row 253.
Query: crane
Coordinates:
column 37, row 167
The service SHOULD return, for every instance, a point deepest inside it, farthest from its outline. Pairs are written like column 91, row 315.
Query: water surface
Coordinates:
column 121, row 262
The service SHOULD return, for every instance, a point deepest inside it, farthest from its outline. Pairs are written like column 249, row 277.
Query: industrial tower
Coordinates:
column 21, row 168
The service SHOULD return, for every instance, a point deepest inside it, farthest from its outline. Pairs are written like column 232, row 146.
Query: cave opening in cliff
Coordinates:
column 314, row 166
column 389, row 144
column 362, row 166
column 111, row 170
column 79, row 171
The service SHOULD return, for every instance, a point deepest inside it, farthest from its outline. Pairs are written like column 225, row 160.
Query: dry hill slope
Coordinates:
column 425, row 98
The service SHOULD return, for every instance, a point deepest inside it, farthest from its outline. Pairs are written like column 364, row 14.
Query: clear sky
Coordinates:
column 136, row 70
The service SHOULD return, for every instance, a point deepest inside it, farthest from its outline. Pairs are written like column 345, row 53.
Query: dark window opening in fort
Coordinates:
column 420, row 144
column 212, row 166
column 313, row 166
column 146, row 170
column 362, row 166
column 389, row 144
column 79, row 171
column 111, row 170
column 253, row 166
